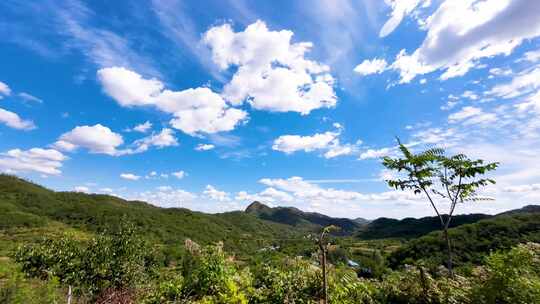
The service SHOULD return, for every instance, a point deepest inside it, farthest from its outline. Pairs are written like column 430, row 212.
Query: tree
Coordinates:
column 453, row 179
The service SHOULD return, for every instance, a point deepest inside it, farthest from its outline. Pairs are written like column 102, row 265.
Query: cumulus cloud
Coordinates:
column 455, row 45
column 532, row 56
column 272, row 72
column 167, row 197
column 327, row 142
column 214, row 194
column 204, row 147
column 368, row 67
column 96, row 138
column 523, row 83
column 179, row 174
column 472, row 115
column 13, row 120
column 301, row 189
column 45, row 161
column 142, row 128
column 376, row 153
column 195, row 111
column 5, row 90
column 99, row 139
column 130, row 176
column 292, row 143
column 523, row 188
column 81, row 189
column 268, row 196
column 165, row 138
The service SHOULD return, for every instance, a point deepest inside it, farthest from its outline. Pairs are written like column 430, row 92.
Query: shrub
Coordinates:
column 510, row 277
column 118, row 260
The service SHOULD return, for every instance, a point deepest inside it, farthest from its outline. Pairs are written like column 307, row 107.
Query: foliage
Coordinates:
column 417, row 285
column 454, row 179
column 409, row 228
column 309, row 221
column 27, row 205
column 115, row 260
column 511, row 277
column 470, row 242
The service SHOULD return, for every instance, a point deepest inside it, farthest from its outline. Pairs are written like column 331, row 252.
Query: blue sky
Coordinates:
column 210, row 105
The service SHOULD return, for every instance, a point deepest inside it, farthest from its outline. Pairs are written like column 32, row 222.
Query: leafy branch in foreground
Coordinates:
column 453, row 179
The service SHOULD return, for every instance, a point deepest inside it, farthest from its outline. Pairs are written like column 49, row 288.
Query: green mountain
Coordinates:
column 25, row 205
column 411, row 227
column 302, row 220
column 472, row 241
column 362, row 221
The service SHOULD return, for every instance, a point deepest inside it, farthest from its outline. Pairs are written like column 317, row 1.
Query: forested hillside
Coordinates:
column 411, row 227
column 27, row 205
column 301, row 220
column 49, row 240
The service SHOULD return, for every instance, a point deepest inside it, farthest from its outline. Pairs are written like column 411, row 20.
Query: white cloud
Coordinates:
column 130, row 176
column 376, row 153
column 101, row 140
column 292, row 143
column 523, row 83
column 168, row 198
column 532, row 56
column 472, row 115
column 106, row 190
column 304, row 190
column 204, row 147
column 484, row 29
column 470, row 95
column 27, row 97
column 81, row 189
column 523, row 188
column 400, row 8
column 97, row 139
column 4, row 89
column 500, row 72
column 142, row 128
column 271, row 72
column 327, row 142
column 338, row 151
column 195, row 110
column 14, row 121
column 165, row 138
column 46, row 161
column 368, row 67
column 214, row 194
column 179, row 174
column 268, row 196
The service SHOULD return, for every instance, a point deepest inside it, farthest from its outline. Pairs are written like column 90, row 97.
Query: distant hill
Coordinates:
column 362, row 221
column 526, row 209
column 411, row 227
column 300, row 219
column 25, row 205
column 471, row 242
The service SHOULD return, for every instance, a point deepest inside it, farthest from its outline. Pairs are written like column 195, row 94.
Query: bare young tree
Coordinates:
column 454, row 179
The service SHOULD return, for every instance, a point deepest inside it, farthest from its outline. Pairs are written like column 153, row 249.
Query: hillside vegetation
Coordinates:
column 115, row 251
column 27, row 205
column 411, row 227
column 300, row 219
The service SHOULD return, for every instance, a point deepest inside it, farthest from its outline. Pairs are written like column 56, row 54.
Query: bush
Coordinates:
column 416, row 285
column 510, row 277
column 114, row 261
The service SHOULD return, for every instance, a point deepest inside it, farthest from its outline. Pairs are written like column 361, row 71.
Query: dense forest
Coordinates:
column 107, row 250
